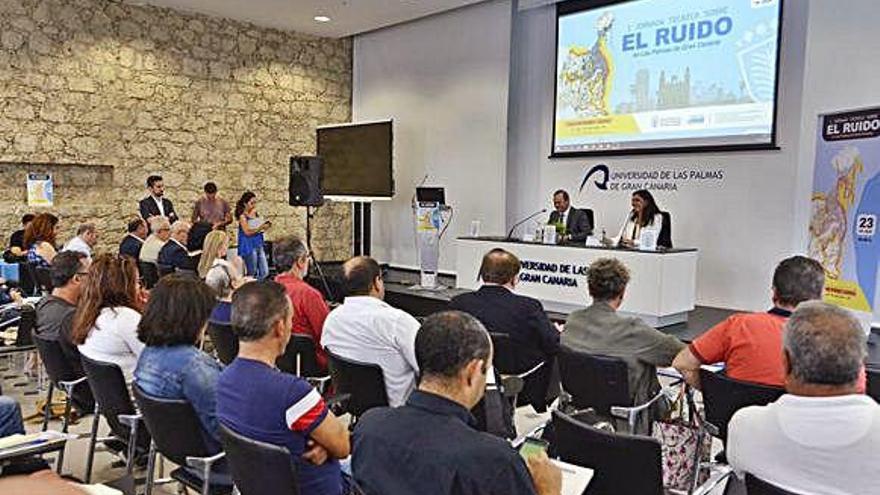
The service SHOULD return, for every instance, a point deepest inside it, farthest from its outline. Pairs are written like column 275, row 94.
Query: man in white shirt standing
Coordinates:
column 86, row 239
column 822, row 437
column 367, row 329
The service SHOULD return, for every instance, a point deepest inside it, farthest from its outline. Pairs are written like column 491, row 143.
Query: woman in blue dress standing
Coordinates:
column 250, row 236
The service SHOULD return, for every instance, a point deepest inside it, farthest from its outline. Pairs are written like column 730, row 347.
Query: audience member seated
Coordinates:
column 174, row 252
column 523, row 318
column 430, row 445
column 750, row 344
column 40, row 237
column 367, row 329
column 10, row 417
column 16, row 248
column 108, row 313
column 821, row 437
column 172, row 366
column 214, row 254
column 309, row 308
column 599, row 329
column 55, row 314
column 161, row 232
column 197, row 233
column 134, row 238
column 257, row 400
column 86, row 239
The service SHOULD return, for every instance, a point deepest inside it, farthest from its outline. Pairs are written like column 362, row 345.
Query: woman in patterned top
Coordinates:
column 40, row 237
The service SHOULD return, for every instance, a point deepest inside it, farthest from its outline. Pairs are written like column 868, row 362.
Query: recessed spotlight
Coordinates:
column 322, row 18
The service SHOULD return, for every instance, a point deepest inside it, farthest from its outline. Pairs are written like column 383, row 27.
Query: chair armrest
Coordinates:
column 338, row 403
column 204, row 462
column 718, row 473
column 510, row 386
column 318, row 380
column 627, row 412
column 129, row 419
column 68, row 385
column 526, row 374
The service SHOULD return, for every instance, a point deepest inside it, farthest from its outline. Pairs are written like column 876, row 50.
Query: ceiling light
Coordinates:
column 322, row 18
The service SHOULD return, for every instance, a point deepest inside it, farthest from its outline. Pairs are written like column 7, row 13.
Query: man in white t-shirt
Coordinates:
column 822, row 437
column 86, row 239
column 367, row 329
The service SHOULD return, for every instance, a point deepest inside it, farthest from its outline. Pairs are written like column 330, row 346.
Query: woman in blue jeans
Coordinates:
column 250, row 236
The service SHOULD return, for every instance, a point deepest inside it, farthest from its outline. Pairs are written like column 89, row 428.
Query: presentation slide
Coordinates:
column 648, row 75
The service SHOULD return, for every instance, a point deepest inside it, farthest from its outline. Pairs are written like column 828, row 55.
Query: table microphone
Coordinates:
column 524, row 220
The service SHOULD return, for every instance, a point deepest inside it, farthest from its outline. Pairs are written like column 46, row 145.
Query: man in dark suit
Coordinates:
column 534, row 337
column 156, row 204
column 134, row 239
column 174, row 252
column 577, row 222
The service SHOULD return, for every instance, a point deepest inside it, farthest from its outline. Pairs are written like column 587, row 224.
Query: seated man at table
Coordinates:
column 750, row 344
column 501, row 310
column 599, row 329
column 369, row 330
column 429, row 445
column 822, row 435
column 576, row 222
column 174, row 252
column 161, row 232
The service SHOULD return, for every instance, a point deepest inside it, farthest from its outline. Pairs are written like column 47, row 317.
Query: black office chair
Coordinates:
column 664, row 238
column 301, row 359
column 44, row 279
column 224, row 340
column 622, row 463
column 177, row 435
column 600, row 383
column 164, row 269
column 591, row 217
column 114, row 404
column 757, row 486
column 873, row 385
column 361, row 385
column 506, row 359
column 27, row 279
column 257, row 467
column 62, row 375
column 723, row 396
column 149, row 273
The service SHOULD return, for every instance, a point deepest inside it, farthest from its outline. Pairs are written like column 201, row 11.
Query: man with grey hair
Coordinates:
column 822, row 436
column 86, row 239
column 599, row 329
column 309, row 308
column 750, row 344
column 161, row 232
column 258, row 401
column 174, row 252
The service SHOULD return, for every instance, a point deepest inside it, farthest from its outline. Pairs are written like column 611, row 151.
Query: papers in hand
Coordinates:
column 574, row 478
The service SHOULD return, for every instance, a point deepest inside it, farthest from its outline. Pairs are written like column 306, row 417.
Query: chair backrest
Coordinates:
column 174, row 426
column 593, row 380
column 108, row 387
column 622, row 463
column 164, row 269
column 259, row 467
column 873, row 388
column 27, row 279
column 364, row 382
column 26, row 325
column 224, row 340
column 664, row 238
column 723, row 396
column 149, row 272
column 757, row 486
column 504, row 356
column 304, row 347
column 44, row 278
column 590, row 216
column 57, row 366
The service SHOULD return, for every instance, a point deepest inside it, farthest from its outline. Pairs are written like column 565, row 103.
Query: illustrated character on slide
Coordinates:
column 828, row 227
column 585, row 78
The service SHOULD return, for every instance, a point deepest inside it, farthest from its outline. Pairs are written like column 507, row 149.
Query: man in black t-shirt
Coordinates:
column 16, row 248
column 55, row 317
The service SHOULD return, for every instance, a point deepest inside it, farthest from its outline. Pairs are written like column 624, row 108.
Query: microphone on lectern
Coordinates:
column 524, row 220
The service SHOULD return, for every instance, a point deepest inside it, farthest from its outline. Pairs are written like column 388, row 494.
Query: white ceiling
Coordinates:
column 349, row 17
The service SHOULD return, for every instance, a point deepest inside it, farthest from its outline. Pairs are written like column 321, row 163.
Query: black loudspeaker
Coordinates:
column 306, row 174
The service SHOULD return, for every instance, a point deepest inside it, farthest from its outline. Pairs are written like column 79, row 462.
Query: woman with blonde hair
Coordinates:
column 220, row 274
column 109, row 310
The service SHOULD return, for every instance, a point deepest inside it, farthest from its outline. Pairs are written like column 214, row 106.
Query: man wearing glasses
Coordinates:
column 161, row 232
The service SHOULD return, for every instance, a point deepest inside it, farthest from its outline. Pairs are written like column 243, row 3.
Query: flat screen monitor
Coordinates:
column 358, row 160
column 652, row 76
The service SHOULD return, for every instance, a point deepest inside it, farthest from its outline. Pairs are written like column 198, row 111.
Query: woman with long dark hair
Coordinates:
column 109, row 310
column 39, row 239
column 645, row 214
column 251, row 245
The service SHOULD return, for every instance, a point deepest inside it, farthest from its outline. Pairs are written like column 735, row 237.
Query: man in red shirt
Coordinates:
column 309, row 308
column 750, row 344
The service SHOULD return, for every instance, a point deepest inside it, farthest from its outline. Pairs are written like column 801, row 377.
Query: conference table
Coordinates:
column 661, row 290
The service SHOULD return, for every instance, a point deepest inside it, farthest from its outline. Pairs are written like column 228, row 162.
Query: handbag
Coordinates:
column 683, row 444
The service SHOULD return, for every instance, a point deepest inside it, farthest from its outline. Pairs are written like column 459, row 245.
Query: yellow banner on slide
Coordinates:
column 846, row 294
column 592, row 126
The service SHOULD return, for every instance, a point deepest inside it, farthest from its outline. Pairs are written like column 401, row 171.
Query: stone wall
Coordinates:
column 104, row 94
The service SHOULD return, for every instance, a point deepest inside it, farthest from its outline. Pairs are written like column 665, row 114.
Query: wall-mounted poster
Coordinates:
column 40, row 190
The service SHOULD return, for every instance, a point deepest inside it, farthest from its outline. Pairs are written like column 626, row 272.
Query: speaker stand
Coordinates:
column 309, row 215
